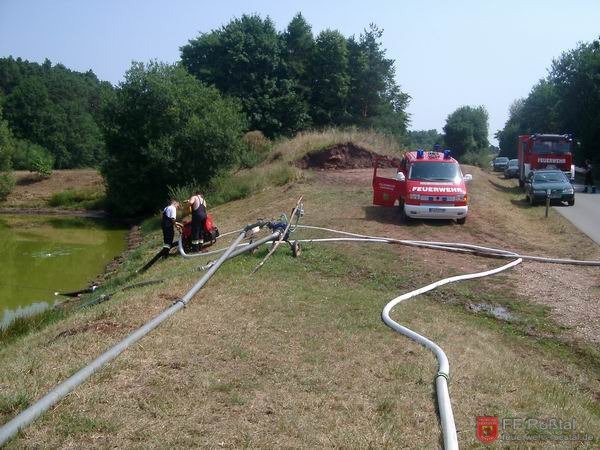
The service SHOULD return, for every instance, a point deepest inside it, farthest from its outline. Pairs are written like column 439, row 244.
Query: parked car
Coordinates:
column 512, row 169
column 540, row 183
column 500, row 163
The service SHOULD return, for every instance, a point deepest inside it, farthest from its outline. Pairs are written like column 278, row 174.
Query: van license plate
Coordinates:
column 437, row 210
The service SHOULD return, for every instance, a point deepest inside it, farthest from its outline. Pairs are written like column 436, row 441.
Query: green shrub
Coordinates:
column 228, row 187
column 184, row 192
column 29, row 156
column 80, row 199
column 481, row 159
column 41, row 166
column 256, row 149
column 7, row 183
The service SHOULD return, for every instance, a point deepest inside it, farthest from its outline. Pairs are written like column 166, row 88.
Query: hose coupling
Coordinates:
column 180, row 300
column 442, row 374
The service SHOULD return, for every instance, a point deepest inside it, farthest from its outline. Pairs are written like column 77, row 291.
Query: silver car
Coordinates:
column 500, row 163
column 512, row 169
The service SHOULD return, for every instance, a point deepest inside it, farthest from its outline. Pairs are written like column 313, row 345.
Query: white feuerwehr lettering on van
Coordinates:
column 435, row 189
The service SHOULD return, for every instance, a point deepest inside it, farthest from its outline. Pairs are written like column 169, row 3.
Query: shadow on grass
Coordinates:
column 29, row 179
column 508, row 189
column 391, row 215
column 521, row 203
column 382, row 214
column 524, row 204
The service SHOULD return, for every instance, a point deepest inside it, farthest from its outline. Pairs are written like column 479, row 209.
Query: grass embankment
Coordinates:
column 65, row 189
column 296, row 355
column 278, row 169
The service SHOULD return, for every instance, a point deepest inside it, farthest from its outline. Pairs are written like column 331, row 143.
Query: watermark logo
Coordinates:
column 487, row 428
column 529, row 429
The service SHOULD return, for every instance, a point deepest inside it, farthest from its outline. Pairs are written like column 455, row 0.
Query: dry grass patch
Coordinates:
column 33, row 192
column 294, row 149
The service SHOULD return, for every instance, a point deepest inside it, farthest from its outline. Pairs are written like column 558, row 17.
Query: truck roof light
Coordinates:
column 447, row 152
column 420, row 153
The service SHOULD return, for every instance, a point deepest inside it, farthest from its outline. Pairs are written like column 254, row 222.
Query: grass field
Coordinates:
column 296, row 356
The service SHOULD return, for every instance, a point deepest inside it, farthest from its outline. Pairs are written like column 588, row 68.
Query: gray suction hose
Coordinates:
column 11, row 428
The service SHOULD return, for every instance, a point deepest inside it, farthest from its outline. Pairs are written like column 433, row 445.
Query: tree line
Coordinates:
column 291, row 81
column 54, row 114
column 567, row 100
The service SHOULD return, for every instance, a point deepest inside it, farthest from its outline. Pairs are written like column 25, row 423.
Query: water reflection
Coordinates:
column 11, row 315
column 42, row 255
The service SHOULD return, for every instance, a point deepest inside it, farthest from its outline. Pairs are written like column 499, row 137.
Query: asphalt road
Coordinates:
column 585, row 214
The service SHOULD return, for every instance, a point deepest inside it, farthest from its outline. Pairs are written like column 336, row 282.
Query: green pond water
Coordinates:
column 42, row 255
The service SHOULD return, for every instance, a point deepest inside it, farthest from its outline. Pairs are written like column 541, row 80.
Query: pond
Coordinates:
column 42, row 255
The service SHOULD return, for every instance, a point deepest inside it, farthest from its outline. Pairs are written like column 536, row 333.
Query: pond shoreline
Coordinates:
column 131, row 239
column 99, row 214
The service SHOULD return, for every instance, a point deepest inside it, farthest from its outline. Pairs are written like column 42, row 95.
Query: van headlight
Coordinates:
column 414, row 196
column 568, row 191
column 460, row 197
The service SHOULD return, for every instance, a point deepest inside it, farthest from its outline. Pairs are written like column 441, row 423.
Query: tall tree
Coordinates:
column 243, row 59
column 298, row 47
column 466, row 130
column 372, row 74
column 576, row 80
column 165, row 128
column 330, row 79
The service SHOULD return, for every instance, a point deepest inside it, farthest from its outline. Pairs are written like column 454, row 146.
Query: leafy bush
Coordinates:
column 166, row 128
column 256, row 149
column 81, row 199
column 184, row 192
column 28, row 156
column 228, row 187
column 481, row 159
column 7, row 183
column 42, row 167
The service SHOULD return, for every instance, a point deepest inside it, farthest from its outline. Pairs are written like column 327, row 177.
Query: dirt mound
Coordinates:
column 338, row 156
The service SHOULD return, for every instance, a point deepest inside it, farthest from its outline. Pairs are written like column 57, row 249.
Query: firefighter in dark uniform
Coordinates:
column 168, row 224
column 198, row 207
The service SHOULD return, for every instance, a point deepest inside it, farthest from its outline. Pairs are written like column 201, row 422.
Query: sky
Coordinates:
column 448, row 53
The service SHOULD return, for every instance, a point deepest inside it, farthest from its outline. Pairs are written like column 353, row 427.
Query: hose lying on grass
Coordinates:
column 442, row 376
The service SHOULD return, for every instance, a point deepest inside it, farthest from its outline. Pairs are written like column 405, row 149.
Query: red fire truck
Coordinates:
column 427, row 185
column 545, row 151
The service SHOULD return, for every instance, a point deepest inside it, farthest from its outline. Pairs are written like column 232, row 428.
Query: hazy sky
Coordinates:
column 448, row 53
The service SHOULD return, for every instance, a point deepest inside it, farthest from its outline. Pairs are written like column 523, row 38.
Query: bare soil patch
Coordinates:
column 99, row 327
column 338, row 156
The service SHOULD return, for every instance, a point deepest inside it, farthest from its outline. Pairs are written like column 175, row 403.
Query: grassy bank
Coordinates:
column 296, row 355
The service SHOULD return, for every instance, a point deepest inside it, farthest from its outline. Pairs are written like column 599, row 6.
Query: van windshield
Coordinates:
column 437, row 171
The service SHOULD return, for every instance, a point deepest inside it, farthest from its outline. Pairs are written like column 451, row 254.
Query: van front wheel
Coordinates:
column 403, row 216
